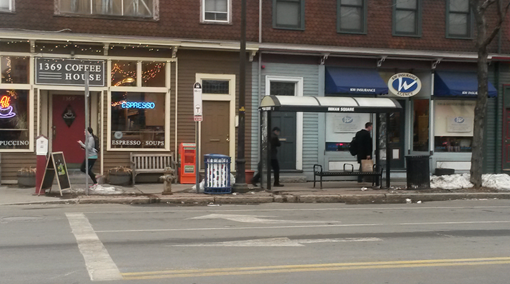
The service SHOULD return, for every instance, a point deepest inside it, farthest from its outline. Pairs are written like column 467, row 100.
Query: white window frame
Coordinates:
column 166, row 90
column 11, row 7
column 230, row 97
column 299, row 115
column 229, row 13
column 154, row 16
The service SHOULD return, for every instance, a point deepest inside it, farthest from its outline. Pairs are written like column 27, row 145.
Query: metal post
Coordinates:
column 388, row 151
column 268, row 151
column 197, row 159
column 240, row 185
column 86, row 131
column 378, row 145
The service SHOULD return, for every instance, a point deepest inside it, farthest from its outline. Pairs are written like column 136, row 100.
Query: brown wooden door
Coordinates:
column 215, row 129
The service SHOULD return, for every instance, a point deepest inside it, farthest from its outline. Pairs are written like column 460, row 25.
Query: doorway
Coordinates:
column 397, row 136
column 68, row 125
column 286, row 121
column 215, row 137
column 506, row 130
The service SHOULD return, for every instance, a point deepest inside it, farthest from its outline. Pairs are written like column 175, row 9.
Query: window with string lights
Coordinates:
column 125, row 8
column 15, row 69
column 124, row 73
column 14, row 119
column 6, row 5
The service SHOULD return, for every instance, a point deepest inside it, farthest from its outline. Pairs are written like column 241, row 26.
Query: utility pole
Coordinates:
column 240, row 185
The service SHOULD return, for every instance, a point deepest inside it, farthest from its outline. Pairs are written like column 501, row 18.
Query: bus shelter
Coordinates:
column 372, row 105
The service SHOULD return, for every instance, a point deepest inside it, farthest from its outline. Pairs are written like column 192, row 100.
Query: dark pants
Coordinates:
column 276, row 169
column 91, row 174
column 360, row 178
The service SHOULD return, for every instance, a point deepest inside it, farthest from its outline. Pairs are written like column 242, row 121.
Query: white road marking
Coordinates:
column 256, row 219
column 100, row 265
column 278, row 242
column 258, row 210
column 303, row 226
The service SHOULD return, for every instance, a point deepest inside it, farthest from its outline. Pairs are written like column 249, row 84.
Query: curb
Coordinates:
column 378, row 198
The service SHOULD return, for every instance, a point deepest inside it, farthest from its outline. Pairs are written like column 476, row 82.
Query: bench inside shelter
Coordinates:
column 377, row 173
column 147, row 163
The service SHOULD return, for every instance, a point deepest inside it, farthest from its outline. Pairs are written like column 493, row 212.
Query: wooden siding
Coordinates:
column 193, row 62
column 12, row 162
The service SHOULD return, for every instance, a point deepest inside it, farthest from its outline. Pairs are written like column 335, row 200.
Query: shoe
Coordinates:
column 278, row 185
column 94, row 186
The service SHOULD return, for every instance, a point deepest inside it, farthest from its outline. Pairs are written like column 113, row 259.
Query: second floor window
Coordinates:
column 458, row 19
column 351, row 16
column 6, row 5
column 406, row 18
column 129, row 8
column 289, row 14
column 216, row 11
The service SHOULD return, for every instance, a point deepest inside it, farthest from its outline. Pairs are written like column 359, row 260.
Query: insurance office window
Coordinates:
column 351, row 16
column 407, row 17
column 453, row 125
column 216, row 10
column 130, row 8
column 14, row 69
column 421, row 125
column 459, row 19
column 289, row 14
column 14, row 119
column 137, row 120
column 6, row 5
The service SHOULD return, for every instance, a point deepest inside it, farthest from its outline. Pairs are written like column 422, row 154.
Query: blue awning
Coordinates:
column 354, row 81
column 458, row 84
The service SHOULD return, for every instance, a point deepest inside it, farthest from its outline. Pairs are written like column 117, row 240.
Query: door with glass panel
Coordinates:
column 286, row 121
column 396, row 134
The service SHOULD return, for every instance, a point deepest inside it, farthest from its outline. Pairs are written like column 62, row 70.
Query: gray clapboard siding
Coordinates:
column 310, row 75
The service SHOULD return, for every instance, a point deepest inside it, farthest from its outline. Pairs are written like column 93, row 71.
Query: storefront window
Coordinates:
column 14, row 69
column 341, row 128
column 14, row 118
column 453, row 125
column 137, row 120
column 421, row 125
column 123, row 73
column 153, row 74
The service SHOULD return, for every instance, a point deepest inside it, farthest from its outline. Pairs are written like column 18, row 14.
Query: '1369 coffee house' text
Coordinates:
column 60, row 71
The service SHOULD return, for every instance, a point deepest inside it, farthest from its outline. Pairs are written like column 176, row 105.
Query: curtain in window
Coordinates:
column 405, row 16
column 288, row 13
column 351, row 14
column 216, row 10
column 4, row 4
column 458, row 20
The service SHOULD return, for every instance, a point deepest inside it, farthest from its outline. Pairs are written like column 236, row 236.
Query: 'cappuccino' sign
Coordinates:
column 404, row 85
column 60, row 71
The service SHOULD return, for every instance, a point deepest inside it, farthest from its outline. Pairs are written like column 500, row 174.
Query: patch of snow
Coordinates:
column 460, row 181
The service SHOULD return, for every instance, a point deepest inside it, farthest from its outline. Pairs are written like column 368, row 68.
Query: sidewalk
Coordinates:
column 332, row 192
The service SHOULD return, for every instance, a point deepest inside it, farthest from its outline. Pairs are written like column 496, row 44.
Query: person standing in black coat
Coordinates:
column 275, row 142
column 364, row 142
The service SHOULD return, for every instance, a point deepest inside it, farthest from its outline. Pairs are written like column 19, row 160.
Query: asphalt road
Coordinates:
column 441, row 242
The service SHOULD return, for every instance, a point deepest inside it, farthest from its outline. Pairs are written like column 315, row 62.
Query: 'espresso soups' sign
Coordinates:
column 59, row 71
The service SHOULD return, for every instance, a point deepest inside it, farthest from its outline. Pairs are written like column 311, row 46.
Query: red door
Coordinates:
column 69, row 126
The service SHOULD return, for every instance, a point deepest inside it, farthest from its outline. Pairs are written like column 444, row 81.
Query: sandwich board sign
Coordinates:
column 56, row 167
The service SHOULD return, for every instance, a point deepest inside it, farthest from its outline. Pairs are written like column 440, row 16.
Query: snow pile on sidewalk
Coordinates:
column 460, row 181
column 99, row 189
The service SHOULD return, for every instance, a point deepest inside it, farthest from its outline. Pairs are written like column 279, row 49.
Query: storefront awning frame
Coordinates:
column 270, row 104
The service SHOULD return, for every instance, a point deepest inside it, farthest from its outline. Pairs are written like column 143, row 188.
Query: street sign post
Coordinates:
column 197, row 113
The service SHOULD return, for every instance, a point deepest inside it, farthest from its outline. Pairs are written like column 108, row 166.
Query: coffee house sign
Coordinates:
column 62, row 71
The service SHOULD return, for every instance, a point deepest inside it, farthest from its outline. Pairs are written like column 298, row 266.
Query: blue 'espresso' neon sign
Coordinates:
column 139, row 105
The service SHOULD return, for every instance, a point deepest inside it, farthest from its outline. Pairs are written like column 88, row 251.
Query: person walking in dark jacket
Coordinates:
column 364, row 142
column 275, row 142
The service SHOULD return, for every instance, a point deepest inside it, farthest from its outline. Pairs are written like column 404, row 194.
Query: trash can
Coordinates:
column 217, row 174
column 418, row 172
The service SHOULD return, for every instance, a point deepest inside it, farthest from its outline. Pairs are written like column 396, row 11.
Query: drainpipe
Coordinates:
column 260, row 21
